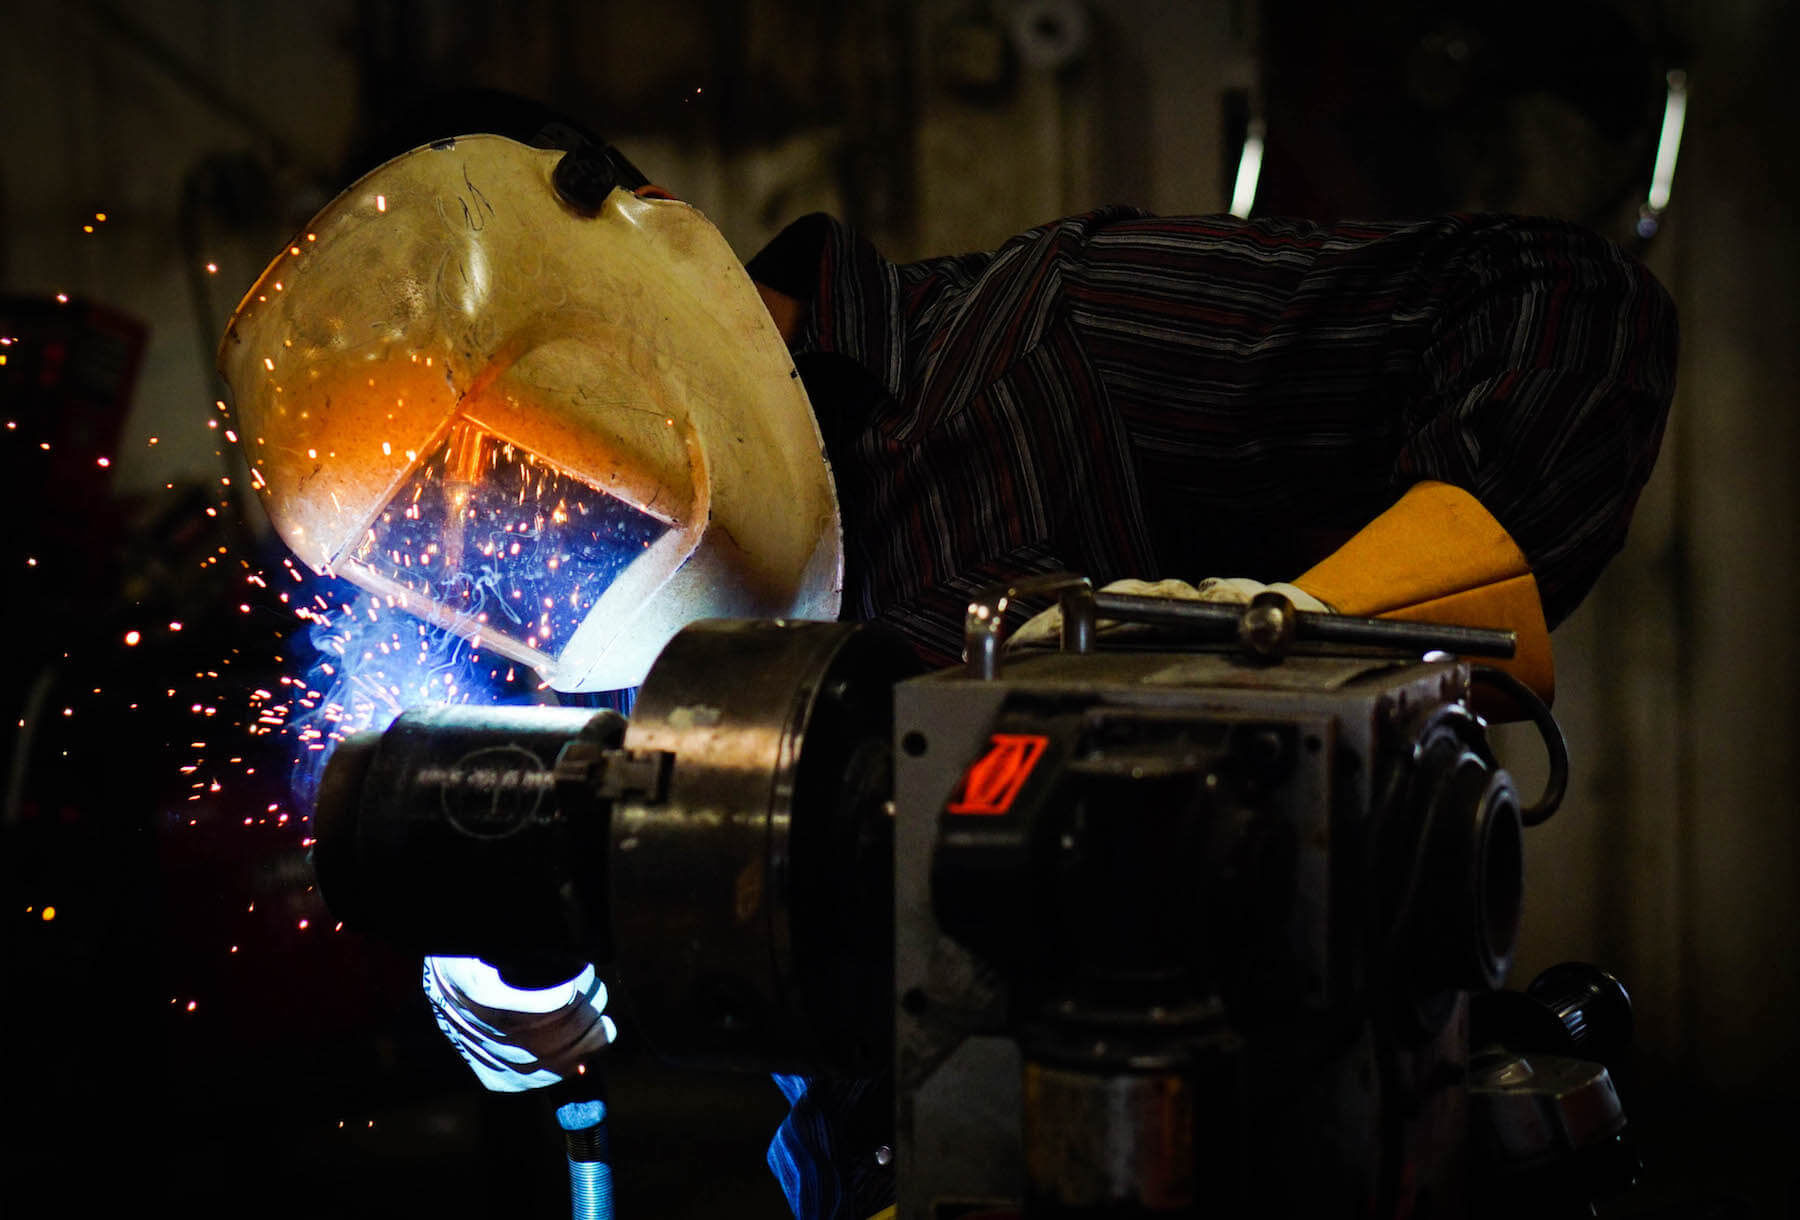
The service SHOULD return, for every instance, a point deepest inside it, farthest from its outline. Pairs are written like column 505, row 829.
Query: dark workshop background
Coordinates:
column 173, row 1035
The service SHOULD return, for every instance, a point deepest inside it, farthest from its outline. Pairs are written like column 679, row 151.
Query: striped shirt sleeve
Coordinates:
column 1280, row 371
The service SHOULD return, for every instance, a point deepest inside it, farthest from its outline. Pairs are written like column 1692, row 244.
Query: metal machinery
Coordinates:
column 1187, row 921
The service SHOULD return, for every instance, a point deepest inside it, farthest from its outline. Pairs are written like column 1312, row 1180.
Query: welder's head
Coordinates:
column 522, row 401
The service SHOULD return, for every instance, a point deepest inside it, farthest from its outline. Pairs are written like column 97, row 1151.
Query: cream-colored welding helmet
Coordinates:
column 564, row 435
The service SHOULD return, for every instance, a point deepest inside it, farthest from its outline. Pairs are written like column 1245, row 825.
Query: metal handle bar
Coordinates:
column 1267, row 627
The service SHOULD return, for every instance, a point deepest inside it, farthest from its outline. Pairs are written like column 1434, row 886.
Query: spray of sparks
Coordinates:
column 490, row 532
column 315, row 663
column 372, row 663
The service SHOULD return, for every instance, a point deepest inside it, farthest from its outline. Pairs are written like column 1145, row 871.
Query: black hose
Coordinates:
column 1554, row 743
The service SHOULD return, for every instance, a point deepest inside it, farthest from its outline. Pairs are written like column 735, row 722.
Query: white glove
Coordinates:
column 516, row 1039
column 1046, row 628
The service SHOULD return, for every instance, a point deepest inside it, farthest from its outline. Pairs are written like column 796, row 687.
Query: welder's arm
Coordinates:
column 1438, row 556
column 515, row 1039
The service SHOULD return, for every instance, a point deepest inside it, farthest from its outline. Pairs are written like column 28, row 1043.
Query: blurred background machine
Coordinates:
column 1191, row 920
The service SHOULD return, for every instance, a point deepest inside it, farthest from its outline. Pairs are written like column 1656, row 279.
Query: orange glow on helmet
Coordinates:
column 565, row 434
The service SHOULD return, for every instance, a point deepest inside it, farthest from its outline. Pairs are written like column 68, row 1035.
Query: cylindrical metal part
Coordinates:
column 752, row 900
column 1221, row 621
column 589, row 1149
column 1132, row 1112
column 1268, row 626
column 446, row 834
column 590, row 1190
column 1471, row 881
column 1449, row 870
column 1114, row 1142
column 1472, row 886
column 1592, row 1007
column 986, row 618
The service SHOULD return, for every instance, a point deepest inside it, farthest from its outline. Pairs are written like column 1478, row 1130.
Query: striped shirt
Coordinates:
column 1131, row 395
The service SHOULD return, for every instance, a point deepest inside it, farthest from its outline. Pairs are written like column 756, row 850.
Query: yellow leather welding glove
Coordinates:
column 1438, row 556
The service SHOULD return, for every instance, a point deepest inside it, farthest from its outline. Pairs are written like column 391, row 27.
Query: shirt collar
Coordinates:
column 853, row 294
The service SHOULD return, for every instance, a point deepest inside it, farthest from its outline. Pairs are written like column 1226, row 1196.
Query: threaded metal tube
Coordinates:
column 589, row 1148
column 590, row 1190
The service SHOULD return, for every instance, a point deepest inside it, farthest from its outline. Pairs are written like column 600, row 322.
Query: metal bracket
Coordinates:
column 613, row 774
column 986, row 618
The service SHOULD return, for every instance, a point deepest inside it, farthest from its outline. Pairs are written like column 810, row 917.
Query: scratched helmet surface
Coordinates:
column 564, row 436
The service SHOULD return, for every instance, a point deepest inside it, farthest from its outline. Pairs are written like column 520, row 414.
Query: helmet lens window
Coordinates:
column 496, row 534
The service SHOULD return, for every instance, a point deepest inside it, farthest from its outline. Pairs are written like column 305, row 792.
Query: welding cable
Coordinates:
column 589, row 1148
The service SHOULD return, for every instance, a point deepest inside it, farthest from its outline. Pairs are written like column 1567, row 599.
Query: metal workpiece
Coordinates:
column 447, row 834
column 750, row 897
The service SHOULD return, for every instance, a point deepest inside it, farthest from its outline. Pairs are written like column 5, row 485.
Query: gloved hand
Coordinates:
column 1046, row 628
column 516, row 1039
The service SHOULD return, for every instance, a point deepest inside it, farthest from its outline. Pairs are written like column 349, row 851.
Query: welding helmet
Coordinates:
column 510, row 396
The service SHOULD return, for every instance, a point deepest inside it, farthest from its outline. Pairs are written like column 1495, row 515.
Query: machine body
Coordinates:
column 1135, row 930
column 1211, row 944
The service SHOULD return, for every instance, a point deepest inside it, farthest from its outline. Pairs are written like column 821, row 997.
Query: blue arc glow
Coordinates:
column 372, row 662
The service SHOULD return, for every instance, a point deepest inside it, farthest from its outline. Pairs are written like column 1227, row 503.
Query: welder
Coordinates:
column 507, row 382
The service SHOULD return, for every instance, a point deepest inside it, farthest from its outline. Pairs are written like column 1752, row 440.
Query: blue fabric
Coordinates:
column 824, row 1153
